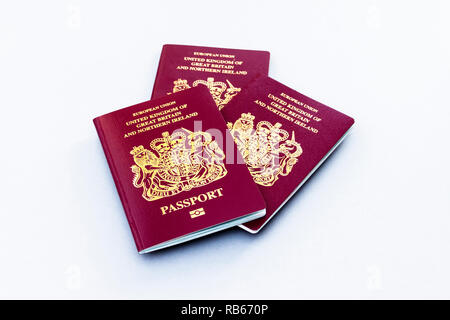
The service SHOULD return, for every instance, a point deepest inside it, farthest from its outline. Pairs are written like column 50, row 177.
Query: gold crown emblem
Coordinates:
column 180, row 83
column 247, row 116
column 137, row 150
column 211, row 84
column 167, row 142
column 274, row 131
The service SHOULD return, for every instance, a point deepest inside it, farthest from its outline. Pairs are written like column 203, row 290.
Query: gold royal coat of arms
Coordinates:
column 220, row 91
column 267, row 149
column 177, row 162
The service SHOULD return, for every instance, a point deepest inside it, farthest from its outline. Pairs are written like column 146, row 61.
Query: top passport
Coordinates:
column 223, row 71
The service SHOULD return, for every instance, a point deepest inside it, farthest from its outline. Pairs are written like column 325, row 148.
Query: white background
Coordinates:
column 373, row 222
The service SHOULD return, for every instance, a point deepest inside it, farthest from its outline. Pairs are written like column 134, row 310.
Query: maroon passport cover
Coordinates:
column 171, row 170
column 283, row 136
column 223, row 71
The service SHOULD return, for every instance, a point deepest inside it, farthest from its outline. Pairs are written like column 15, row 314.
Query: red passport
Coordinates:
column 169, row 160
column 223, row 71
column 283, row 137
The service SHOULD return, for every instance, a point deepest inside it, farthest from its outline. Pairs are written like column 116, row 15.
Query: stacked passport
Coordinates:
column 219, row 145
